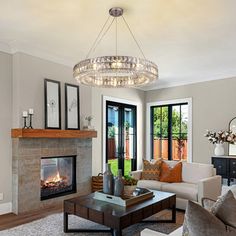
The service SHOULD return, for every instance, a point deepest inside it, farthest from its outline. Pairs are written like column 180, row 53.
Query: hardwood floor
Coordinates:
column 11, row 220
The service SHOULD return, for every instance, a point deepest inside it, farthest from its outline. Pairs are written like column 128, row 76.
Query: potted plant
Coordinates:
column 130, row 184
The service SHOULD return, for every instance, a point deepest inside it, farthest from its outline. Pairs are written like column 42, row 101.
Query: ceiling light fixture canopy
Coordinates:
column 115, row 71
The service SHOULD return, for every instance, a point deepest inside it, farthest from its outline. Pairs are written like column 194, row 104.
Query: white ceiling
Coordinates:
column 190, row 40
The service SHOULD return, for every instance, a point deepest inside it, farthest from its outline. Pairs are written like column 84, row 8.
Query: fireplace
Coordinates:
column 58, row 176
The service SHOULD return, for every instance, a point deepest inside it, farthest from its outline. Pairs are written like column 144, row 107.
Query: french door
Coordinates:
column 121, row 137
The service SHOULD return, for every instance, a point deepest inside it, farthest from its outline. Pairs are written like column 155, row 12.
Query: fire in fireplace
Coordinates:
column 58, row 176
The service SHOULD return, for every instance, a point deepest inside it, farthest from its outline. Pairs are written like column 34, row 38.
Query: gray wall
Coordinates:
column 5, row 125
column 28, row 88
column 213, row 104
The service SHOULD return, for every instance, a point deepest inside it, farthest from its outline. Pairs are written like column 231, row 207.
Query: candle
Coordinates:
column 31, row 111
column 25, row 113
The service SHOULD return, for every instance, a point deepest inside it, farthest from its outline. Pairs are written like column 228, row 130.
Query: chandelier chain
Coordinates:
column 116, row 36
column 105, row 32
column 135, row 40
column 95, row 41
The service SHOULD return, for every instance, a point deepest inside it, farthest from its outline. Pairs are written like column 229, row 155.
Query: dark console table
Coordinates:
column 225, row 166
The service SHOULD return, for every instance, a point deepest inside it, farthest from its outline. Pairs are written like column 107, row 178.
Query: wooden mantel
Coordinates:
column 52, row 133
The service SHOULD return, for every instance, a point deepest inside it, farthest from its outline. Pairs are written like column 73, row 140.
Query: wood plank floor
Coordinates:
column 11, row 220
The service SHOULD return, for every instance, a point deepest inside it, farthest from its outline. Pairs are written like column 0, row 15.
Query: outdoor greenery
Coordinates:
column 114, row 166
column 111, row 131
column 160, row 115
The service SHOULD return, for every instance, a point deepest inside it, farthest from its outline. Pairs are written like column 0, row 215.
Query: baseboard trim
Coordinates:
column 5, row 208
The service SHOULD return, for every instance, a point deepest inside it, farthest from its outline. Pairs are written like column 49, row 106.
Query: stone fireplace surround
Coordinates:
column 27, row 153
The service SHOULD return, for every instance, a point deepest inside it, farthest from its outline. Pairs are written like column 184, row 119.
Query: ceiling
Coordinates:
column 190, row 40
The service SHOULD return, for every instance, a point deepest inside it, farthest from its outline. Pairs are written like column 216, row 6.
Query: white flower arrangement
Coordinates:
column 221, row 137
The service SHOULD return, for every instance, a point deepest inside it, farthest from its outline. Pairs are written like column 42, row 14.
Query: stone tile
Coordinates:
column 27, row 155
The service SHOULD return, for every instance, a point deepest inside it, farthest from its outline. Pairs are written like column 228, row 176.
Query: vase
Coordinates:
column 119, row 184
column 219, row 149
column 108, row 180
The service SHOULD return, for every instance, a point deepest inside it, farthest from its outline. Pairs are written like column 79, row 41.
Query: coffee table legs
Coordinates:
column 67, row 230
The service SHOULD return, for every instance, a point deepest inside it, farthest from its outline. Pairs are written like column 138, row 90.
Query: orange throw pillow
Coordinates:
column 171, row 175
column 151, row 170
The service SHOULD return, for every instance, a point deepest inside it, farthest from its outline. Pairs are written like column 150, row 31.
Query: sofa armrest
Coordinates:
column 209, row 188
column 136, row 174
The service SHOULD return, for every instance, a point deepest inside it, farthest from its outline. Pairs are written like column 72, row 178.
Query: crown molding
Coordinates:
column 22, row 47
column 220, row 76
column 16, row 46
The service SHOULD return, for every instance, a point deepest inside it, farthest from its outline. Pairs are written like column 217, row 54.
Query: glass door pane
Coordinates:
column 184, row 131
column 113, row 137
column 121, row 137
column 129, row 137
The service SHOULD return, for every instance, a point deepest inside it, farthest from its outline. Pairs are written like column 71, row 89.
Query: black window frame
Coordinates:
column 169, row 133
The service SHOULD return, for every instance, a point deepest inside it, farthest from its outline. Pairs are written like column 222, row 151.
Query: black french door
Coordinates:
column 121, row 137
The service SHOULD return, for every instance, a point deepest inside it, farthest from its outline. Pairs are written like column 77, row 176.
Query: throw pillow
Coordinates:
column 171, row 174
column 225, row 209
column 200, row 222
column 151, row 170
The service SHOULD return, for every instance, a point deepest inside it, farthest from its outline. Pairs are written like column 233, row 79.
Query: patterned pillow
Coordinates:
column 151, row 170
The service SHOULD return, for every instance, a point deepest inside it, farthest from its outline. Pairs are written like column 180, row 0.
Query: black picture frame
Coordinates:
column 72, row 107
column 52, row 104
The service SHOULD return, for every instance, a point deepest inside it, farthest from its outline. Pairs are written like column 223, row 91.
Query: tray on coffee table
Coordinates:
column 125, row 200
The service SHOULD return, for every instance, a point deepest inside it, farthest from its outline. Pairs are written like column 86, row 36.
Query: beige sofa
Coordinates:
column 199, row 180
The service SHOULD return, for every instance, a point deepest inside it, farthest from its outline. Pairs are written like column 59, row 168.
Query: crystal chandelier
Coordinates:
column 115, row 71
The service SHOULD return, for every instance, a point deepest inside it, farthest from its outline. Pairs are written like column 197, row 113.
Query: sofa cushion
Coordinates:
column 194, row 172
column 151, row 170
column 183, row 190
column 171, row 174
column 151, row 184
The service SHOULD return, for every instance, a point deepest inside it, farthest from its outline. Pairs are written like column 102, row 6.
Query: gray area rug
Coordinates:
column 53, row 226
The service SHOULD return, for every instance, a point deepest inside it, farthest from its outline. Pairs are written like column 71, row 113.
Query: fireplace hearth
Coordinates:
column 58, row 176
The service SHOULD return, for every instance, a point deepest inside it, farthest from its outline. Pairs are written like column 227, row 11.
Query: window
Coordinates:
column 169, row 131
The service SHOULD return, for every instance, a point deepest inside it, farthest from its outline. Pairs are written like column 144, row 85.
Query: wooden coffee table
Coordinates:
column 116, row 217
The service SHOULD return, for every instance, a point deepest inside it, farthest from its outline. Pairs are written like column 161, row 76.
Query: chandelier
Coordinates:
column 115, row 71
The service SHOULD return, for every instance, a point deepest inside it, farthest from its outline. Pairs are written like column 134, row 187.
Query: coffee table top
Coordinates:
column 90, row 203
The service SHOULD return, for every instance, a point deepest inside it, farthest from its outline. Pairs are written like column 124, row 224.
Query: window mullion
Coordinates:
column 170, row 132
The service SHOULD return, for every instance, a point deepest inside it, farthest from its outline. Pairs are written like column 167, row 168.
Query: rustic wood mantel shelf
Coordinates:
column 52, row 133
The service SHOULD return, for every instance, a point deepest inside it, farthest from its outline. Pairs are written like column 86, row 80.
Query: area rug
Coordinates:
column 53, row 226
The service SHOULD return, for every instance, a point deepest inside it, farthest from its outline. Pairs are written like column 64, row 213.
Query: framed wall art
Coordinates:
column 52, row 101
column 72, row 111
